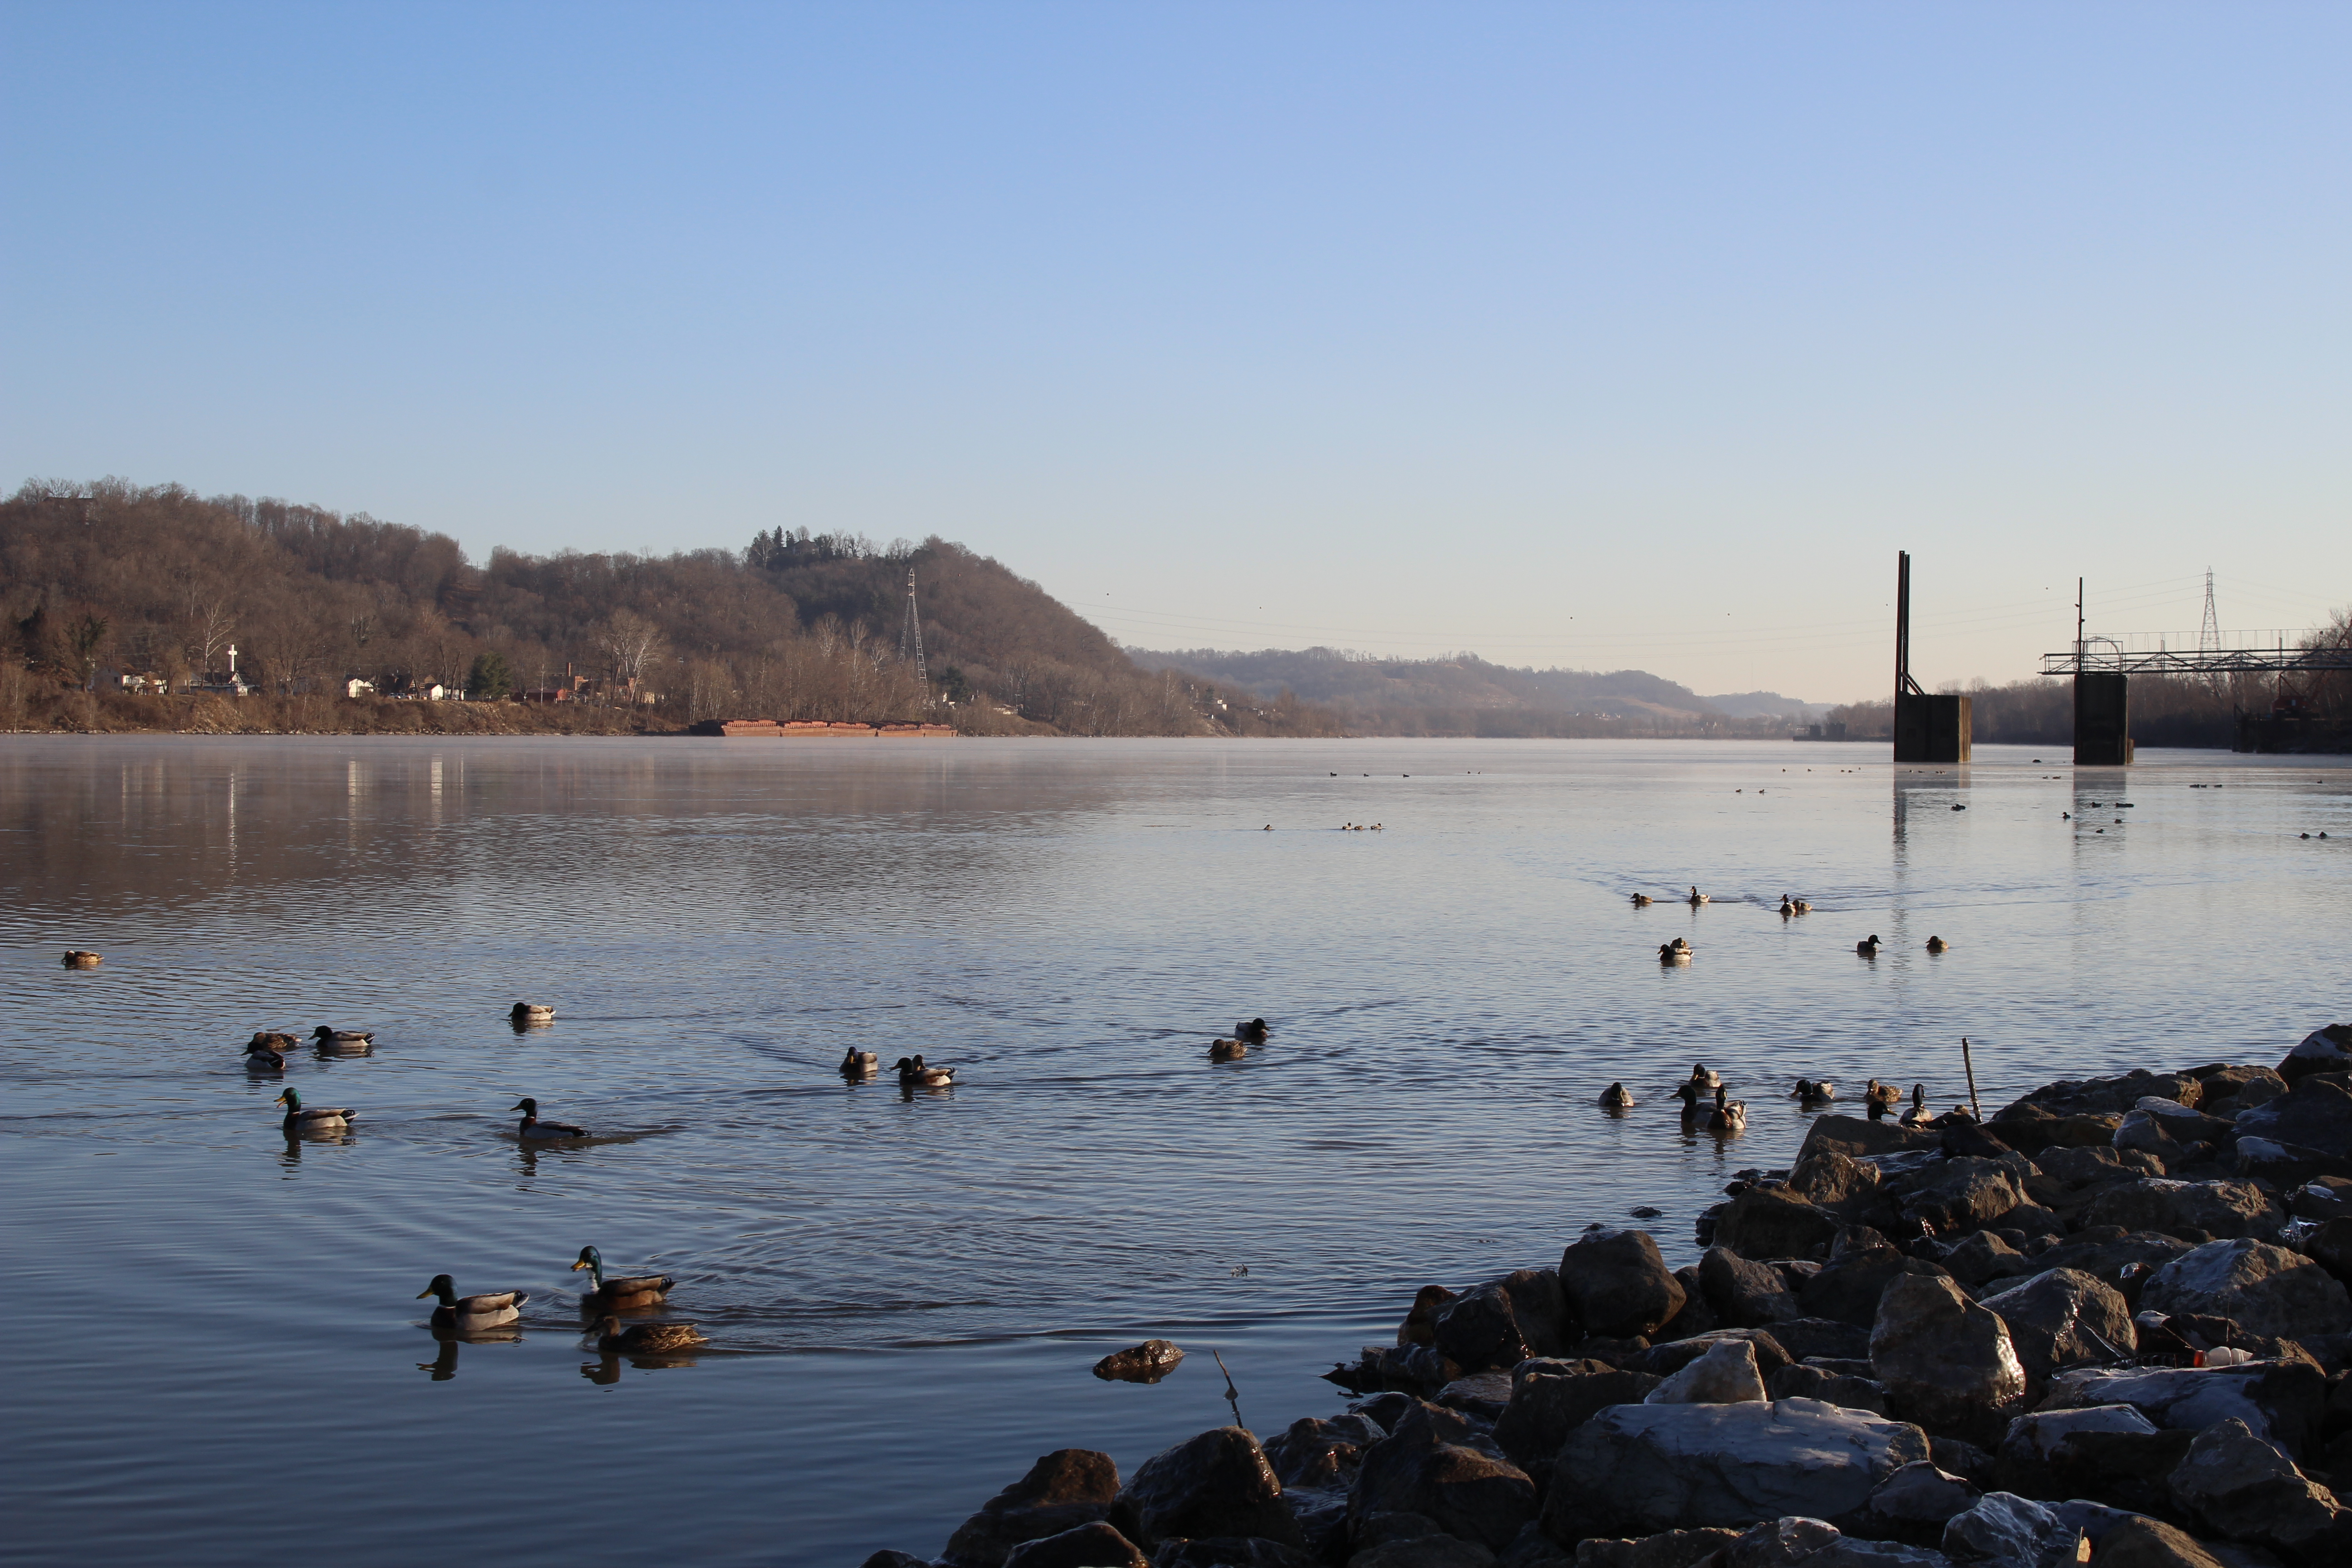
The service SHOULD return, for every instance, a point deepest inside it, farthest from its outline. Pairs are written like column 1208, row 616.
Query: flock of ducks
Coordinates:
column 1679, row 951
column 463, row 1316
column 1703, row 1094
column 913, row 1072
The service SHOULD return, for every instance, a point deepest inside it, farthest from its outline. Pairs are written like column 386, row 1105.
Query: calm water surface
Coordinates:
column 214, row 1353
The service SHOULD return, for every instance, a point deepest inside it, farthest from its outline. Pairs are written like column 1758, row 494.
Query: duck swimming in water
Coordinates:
column 533, row 1130
column 914, row 1071
column 76, row 958
column 1227, row 1050
column 342, row 1042
column 1251, row 1032
column 1880, row 1097
column 1813, row 1091
column 532, row 1013
column 265, row 1052
column 856, row 1063
column 1728, row 1115
column 1936, row 944
column 1642, row 900
column 1674, row 951
column 487, row 1310
column 1697, row 898
column 640, row 1338
column 1617, row 1097
column 317, row 1119
column 621, row 1292
column 1869, row 948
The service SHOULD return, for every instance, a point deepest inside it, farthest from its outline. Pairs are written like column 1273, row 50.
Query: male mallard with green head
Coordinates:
column 1617, row 1097
column 915, row 1071
column 1729, row 1116
column 532, row 1129
column 342, row 1042
column 487, row 1311
column 856, row 1063
column 318, row 1118
column 643, row 1337
column 1252, row 1033
column 620, row 1293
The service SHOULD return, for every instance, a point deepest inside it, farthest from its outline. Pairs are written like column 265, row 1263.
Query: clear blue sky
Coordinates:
column 1600, row 335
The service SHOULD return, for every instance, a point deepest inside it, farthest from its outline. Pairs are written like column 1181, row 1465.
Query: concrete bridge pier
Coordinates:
column 2102, row 720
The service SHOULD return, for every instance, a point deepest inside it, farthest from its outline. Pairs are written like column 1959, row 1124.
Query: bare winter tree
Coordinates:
column 632, row 643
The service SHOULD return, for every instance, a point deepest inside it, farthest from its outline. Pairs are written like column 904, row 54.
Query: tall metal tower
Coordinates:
column 910, row 641
column 2209, row 636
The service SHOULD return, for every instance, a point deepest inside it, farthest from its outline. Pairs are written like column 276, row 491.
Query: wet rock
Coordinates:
column 1805, row 1338
column 1800, row 1382
column 2062, row 1317
column 1668, row 1359
column 1312, row 1452
column 2264, row 1290
column 2030, row 1130
column 1963, row 1459
column 1779, row 1542
column 2223, row 1208
column 1963, row 1196
column 1613, row 1351
column 2177, row 1124
column 1725, row 1374
column 2323, row 1198
column 1744, row 1294
column 1985, row 1257
column 1774, row 1222
column 2237, row 1088
column 2090, row 1167
column 1479, row 1331
column 1436, row 1464
column 1852, row 1287
column 1321, row 1513
column 1424, row 1551
column 2075, row 1097
column 1218, row 1483
column 1147, row 1363
column 1667, row 1549
column 1697, row 1317
column 2284, row 1165
column 2283, row 1401
column 1545, row 1407
column 2249, row 1490
column 1096, row 1546
column 1230, row 1552
column 2330, row 1246
column 1067, row 1488
column 2004, row 1528
column 1637, row 1469
column 2151, row 1543
column 2110, row 1452
column 1483, row 1396
column 1948, row 1363
column 1420, row 1325
column 2316, row 1113
column 1834, row 1180
column 1858, row 1137
column 2322, row 1050
column 1540, row 1308
column 1616, row 1284
column 1915, row 1503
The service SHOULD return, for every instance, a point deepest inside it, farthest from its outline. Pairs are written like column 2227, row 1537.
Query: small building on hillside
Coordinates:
column 355, row 687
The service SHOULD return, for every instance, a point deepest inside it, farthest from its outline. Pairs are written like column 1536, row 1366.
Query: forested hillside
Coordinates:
column 1467, row 696
column 111, row 579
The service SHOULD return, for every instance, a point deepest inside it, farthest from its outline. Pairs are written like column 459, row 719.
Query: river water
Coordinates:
column 214, row 1353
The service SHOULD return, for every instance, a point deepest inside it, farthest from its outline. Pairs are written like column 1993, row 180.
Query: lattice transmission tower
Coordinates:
column 910, row 640
column 2209, row 636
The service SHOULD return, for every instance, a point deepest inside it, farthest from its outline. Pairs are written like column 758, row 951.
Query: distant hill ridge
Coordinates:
column 1466, row 695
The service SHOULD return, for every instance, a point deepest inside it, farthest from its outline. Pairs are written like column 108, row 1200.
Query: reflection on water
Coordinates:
column 922, row 1277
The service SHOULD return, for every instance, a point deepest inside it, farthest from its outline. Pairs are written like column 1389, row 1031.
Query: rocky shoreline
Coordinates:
column 2109, row 1325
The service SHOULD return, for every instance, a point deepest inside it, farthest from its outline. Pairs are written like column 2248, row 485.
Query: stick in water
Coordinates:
column 1232, row 1396
column 1968, row 1062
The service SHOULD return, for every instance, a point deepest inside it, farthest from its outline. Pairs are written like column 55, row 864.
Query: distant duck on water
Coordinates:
column 487, row 1310
column 1697, row 898
column 1813, row 1091
column 1918, row 1114
column 620, row 1293
column 1227, row 1050
column 856, row 1063
column 317, row 1118
column 1880, row 1097
column 265, row 1052
column 641, row 1338
column 532, row 1013
column 1675, row 951
column 1642, row 900
column 77, row 958
column 1252, row 1032
column 914, row 1072
column 1729, row 1116
column 1617, row 1097
column 532, row 1129
column 1936, row 944
column 342, row 1042
column 1869, row 947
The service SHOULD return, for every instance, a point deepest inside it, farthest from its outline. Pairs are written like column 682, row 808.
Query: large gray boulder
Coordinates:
column 2152, row 1544
column 1479, row 1330
column 2063, row 1317
column 1743, row 1294
column 2284, row 1165
column 1065, row 1489
column 2106, row 1252
column 2315, row 1114
column 1985, row 1257
column 1913, row 1504
column 1801, row 1382
column 1948, row 1363
column 2074, row 1097
column 2222, row 1209
column 1438, row 1464
column 1774, row 1222
column 1962, row 1195
column 1830, row 1179
column 2165, row 1128
column 1725, row 1374
column 1616, row 1284
column 1851, row 1286
column 2322, row 1050
column 2030, row 1130
column 2008, row 1529
column 1096, row 1545
column 2235, row 1089
column 1313, row 1452
column 2248, row 1490
column 1219, row 1483
column 2283, row 1401
column 2264, row 1290
column 1541, row 1308
column 1548, row 1402
column 1667, row 1549
column 2110, row 1452
column 1858, row 1137
column 2091, row 1167
column 1637, row 1469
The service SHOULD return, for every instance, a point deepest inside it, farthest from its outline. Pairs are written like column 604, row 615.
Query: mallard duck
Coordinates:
column 77, row 958
column 318, row 1118
column 1869, row 948
column 619, row 1293
column 1880, row 1097
column 265, row 1052
column 487, row 1311
column 1696, row 898
column 533, row 1129
column 1674, row 951
column 856, row 1063
column 1227, row 1050
column 642, row 1337
column 1252, row 1033
column 532, row 1013
column 1814, row 1090
column 1642, row 900
column 1936, row 944
column 914, row 1071
column 342, row 1042
column 1802, row 906
column 1787, row 908
column 1919, row 1112
column 1617, row 1097
column 1729, row 1116
column 1704, row 1077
